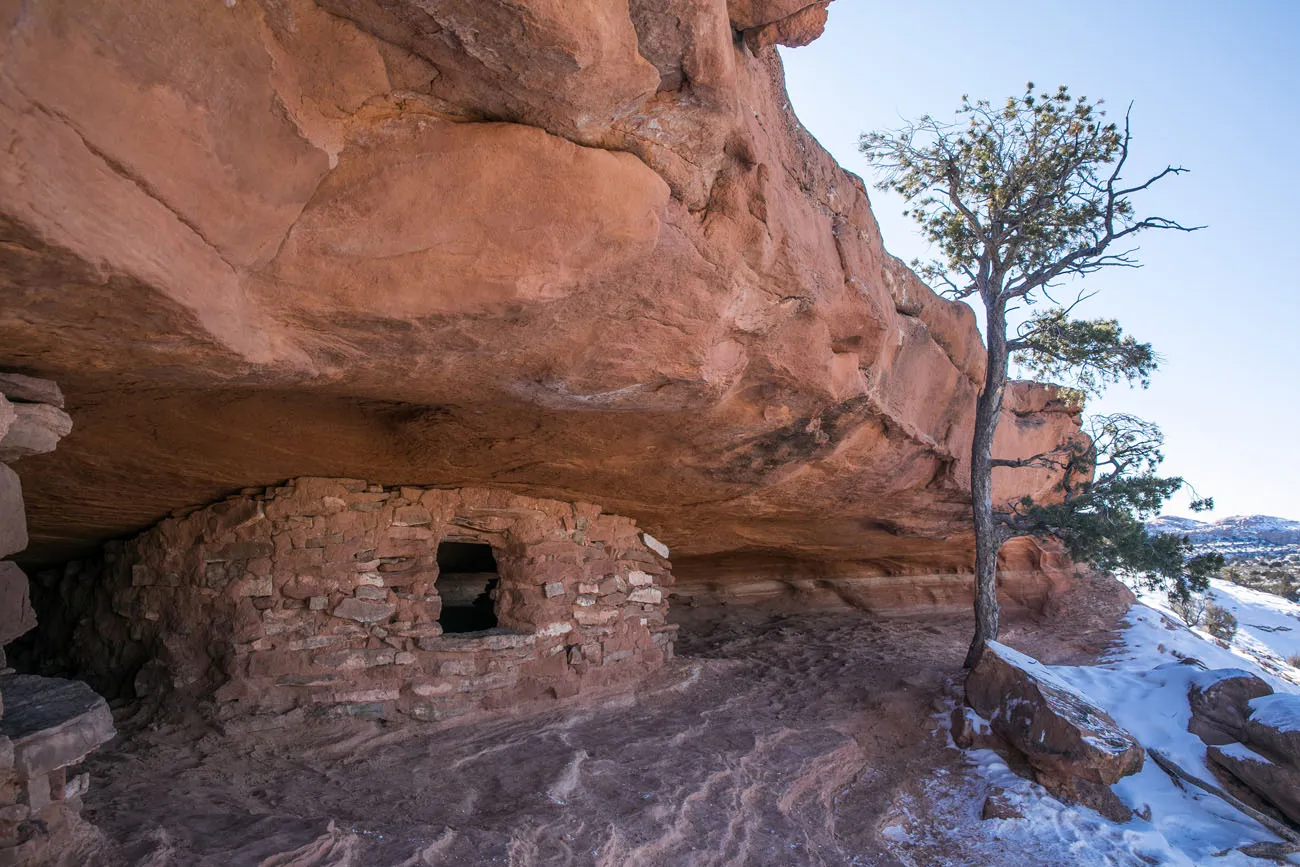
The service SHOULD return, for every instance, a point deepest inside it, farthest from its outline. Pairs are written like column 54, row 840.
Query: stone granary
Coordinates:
column 335, row 596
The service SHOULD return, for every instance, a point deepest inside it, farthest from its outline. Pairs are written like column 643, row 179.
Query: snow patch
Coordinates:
column 1143, row 684
column 1278, row 711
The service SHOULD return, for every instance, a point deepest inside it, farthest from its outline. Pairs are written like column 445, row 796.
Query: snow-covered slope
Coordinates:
column 1143, row 684
column 1238, row 537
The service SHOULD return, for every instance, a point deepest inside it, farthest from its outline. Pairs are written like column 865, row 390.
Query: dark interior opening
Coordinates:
column 467, row 582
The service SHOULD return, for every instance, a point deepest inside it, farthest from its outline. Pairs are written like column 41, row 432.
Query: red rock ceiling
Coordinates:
column 574, row 249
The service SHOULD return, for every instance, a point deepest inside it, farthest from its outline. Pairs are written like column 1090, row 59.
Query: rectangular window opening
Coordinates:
column 467, row 583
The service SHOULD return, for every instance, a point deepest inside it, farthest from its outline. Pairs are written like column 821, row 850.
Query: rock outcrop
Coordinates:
column 47, row 725
column 1277, row 782
column 1274, row 725
column 1220, row 704
column 1076, row 749
column 583, row 252
column 32, row 422
column 1253, row 735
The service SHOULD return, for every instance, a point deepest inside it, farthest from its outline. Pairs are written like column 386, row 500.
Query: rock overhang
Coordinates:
column 370, row 248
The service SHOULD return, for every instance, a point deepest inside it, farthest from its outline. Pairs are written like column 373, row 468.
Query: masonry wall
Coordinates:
column 320, row 595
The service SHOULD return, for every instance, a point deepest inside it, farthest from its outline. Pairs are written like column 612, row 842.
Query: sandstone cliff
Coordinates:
column 580, row 250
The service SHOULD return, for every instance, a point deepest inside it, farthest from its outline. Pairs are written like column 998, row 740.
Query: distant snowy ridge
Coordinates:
column 1239, row 537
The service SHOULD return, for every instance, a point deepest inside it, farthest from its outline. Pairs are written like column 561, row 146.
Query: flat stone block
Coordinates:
column 364, row 610
column 411, row 516
column 638, row 578
column 29, row 389
column 489, row 639
column 53, row 723
column 354, row 660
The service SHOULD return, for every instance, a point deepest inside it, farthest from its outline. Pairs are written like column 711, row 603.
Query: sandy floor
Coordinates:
column 772, row 740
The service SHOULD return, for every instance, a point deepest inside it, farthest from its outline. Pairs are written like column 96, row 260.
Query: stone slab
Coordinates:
column 13, row 520
column 16, row 614
column 35, row 430
column 498, row 638
column 29, row 389
column 52, row 722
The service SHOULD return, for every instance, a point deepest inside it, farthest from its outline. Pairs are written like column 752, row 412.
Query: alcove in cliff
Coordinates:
column 467, row 581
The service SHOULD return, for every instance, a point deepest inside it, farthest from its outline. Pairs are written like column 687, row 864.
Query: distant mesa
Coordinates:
column 1240, row 536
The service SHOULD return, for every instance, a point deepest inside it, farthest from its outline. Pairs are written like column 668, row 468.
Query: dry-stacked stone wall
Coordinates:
column 324, row 594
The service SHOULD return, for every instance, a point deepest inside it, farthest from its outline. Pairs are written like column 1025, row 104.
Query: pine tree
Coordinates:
column 1020, row 199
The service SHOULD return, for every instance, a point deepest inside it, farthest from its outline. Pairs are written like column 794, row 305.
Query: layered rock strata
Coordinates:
column 327, row 596
column 577, row 251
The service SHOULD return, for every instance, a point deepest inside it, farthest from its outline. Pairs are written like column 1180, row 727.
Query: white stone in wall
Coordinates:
column 655, row 545
column 364, row 611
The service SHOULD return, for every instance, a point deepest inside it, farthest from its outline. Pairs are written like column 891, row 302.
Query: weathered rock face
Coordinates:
column 334, row 596
column 1278, row 783
column 1076, row 749
column 1274, row 726
column 1220, row 704
column 581, row 251
column 47, row 726
column 1253, row 735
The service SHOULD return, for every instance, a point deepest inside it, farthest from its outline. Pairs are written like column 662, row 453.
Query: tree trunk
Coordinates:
column 988, row 539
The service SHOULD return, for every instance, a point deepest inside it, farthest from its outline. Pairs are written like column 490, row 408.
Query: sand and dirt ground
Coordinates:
column 773, row 739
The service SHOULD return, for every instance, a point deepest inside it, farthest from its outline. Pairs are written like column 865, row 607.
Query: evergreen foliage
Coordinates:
column 1018, row 199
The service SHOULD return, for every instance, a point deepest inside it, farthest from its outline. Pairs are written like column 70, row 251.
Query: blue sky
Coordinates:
column 1215, row 88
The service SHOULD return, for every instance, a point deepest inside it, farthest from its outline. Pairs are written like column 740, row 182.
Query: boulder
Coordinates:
column 35, row 430
column 1076, row 749
column 1276, row 782
column 1220, row 702
column 1274, row 727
